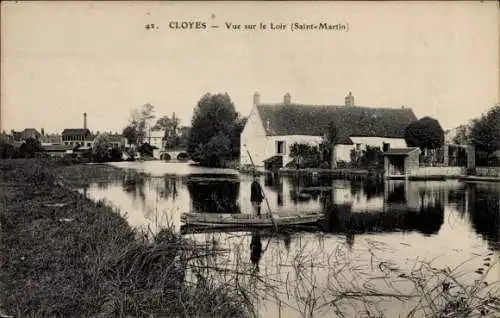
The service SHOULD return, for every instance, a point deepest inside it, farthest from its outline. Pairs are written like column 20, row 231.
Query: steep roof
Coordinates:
column 298, row 119
column 76, row 132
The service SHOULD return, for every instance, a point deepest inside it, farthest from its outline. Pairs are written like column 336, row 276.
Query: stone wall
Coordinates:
column 488, row 171
column 439, row 171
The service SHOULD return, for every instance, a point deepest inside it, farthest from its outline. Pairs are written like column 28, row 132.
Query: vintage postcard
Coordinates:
column 250, row 159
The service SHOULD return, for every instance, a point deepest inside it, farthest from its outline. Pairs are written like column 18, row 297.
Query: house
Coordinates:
column 21, row 136
column 77, row 136
column 155, row 138
column 272, row 128
column 117, row 140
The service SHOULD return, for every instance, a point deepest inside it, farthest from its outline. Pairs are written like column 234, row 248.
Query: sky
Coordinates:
column 61, row 59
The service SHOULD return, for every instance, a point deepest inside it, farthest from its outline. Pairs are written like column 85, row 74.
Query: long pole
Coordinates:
column 265, row 197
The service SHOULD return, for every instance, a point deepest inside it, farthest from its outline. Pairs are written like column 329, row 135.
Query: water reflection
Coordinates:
column 350, row 208
column 401, row 221
column 256, row 250
column 214, row 194
column 483, row 207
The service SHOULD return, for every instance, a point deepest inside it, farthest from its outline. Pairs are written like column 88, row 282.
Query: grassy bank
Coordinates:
column 65, row 256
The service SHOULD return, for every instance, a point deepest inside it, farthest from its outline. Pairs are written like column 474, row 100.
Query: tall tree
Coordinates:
column 485, row 132
column 425, row 133
column 212, row 126
column 330, row 140
column 170, row 127
column 130, row 133
column 140, row 122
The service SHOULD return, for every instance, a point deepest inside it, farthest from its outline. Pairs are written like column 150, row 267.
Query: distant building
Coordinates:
column 155, row 138
column 77, row 136
column 21, row 136
column 117, row 140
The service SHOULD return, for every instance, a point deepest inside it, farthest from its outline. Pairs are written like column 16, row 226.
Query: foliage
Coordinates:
column 330, row 140
column 136, row 130
column 425, row 133
column 462, row 136
column 30, row 147
column 146, row 149
column 305, row 155
column 103, row 151
column 214, row 128
column 7, row 150
column 485, row 133
column 215, row 152
column 100, row 149
column 371, row 158
column 130, row 133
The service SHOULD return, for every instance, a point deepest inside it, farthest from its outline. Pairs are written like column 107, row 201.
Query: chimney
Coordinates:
column 287, row 99
column 84, row 120
column 256, row 98
column 349, row 100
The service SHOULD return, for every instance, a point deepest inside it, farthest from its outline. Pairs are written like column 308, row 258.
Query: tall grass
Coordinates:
column 63, row 255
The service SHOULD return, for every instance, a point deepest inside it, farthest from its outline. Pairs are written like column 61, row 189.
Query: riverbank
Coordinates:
column 63, row 255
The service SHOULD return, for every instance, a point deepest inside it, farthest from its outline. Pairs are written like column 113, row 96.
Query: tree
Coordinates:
column 239, row 124
column 462, row 135
column 330, row 140
column 485, row 132
column 30, row 147
column 170, row 127
column 425, row 133
column 305, row 155
column 100, row 148
column 212, row 125
column 214, row 153
column 130, row 133
column 140, row 121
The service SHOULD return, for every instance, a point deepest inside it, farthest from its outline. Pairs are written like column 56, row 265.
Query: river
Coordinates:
column 373, row 236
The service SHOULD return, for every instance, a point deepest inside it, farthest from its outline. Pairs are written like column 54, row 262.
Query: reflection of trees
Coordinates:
column 484, row 212
column 133, row 183
column 427, row 219
column 213, row 195
column 169, row 188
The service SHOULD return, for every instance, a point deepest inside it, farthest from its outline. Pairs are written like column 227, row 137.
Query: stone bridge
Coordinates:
column 173, row 154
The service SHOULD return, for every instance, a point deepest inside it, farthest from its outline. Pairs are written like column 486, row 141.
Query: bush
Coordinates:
column 304, row 156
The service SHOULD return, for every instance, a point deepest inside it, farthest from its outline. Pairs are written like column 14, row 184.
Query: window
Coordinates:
column 280, row 147
column 358, row 146
column 385, row 146
column 88, row 144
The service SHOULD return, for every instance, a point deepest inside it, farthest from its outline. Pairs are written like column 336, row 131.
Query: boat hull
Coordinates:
column 242, row 220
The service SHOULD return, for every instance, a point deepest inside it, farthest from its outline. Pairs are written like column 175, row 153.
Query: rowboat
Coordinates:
column 247, row 220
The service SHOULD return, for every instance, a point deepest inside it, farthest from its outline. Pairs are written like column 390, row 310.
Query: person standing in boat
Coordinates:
column 256, row 195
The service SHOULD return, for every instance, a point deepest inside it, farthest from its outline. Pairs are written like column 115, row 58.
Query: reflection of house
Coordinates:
column 401, row 161
column 272, row 128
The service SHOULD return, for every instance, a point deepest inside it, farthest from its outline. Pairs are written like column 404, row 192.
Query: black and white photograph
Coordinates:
column 257, row 159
